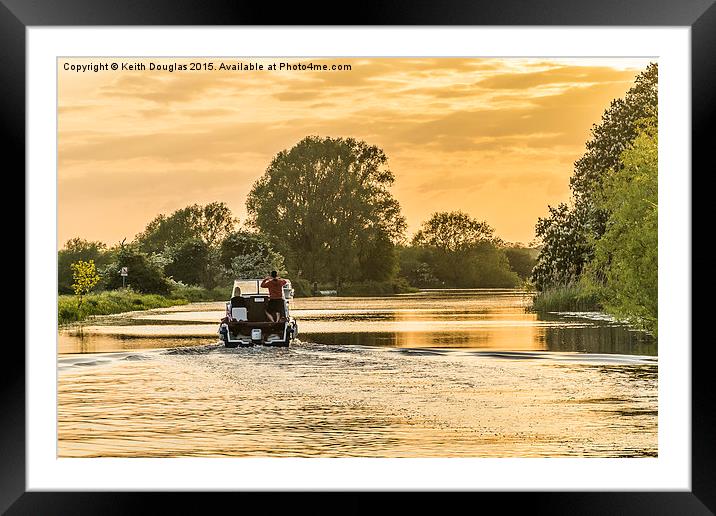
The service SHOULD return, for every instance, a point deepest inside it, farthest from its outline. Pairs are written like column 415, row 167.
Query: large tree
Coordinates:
column 324, row 202
column 619, row 126
column 210, row 223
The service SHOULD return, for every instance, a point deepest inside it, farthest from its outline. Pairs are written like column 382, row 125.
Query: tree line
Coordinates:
column 603, row 243
column 323, row 214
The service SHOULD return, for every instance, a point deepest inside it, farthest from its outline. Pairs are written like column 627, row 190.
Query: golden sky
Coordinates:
column 495, row 138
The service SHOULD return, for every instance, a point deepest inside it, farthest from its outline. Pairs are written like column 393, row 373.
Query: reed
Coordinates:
column 568, row 298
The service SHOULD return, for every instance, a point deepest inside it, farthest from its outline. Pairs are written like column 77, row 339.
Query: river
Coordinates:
column 458, row 373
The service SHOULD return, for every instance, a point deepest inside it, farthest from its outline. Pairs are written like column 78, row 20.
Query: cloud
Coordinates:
column 569, row 75
column 460, row 130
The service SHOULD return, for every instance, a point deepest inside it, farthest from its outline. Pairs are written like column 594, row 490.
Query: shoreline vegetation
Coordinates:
column 126, row 300
column 121, row 301
column 600, row 249
column 567, row 298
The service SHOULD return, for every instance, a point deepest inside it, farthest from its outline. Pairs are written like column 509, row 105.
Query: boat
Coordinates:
column 248, row 323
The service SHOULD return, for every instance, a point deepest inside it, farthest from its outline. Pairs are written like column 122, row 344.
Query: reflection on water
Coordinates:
column 494, row 319
column 434, row 374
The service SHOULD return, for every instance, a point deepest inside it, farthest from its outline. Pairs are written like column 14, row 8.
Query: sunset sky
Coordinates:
column 495, row 138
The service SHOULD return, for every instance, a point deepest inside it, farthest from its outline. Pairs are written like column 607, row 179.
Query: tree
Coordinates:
column 453, row 232
column 521, row 261
column 189, row 262
column 378, row 259
column 414, row 268
column 463, row 252
column 256, row 265
column 241, row 243
column 75, row 250
column 246, row 254
column 325, row 202
column 145, row 274
column 615, row 133
column 569, row 233
column 566, row 247
column 210, row 223
column 85, row 278
column 625, row 264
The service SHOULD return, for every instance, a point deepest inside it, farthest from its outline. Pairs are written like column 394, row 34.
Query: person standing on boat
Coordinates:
column 276, row 302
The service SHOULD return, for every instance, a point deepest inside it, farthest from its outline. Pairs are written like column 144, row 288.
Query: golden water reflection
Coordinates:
column 435, row 374
column 490, row 319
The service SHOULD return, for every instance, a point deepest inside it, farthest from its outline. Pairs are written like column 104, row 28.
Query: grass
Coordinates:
column 118, row 301
column 568, row 298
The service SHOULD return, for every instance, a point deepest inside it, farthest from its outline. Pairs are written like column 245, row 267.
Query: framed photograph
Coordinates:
column 445, row 248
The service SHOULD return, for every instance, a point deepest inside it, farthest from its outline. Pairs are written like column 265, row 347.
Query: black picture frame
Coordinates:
column 17, row 15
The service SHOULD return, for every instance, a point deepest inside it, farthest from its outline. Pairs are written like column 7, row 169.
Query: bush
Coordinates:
column 144, row 275
column 301, row 287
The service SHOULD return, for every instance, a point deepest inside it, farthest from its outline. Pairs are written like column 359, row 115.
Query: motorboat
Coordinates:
column 247, row 323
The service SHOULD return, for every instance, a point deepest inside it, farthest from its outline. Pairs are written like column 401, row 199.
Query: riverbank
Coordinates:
column 578, row 298
column 126, row 300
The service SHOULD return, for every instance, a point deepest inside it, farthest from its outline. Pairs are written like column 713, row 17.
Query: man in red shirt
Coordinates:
column 275, row 305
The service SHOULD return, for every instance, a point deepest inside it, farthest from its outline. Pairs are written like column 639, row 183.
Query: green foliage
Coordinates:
column 569, row 233
column 461, row 252
column 378, row 259
column 85, row 278
column 616, row 131
column 414, row 267
column 76, row 250
column 521, row 261
column 301, row 287
column 194, row 294
column 606, row 242
column 256, row 265
column 245, row 254
column 210, row 223
column 626, row 256
column 145, row 275
column 452, row 232
column 189, row 262
column 326, row 203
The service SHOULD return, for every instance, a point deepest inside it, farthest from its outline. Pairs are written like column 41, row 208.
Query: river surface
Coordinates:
column 459, row 373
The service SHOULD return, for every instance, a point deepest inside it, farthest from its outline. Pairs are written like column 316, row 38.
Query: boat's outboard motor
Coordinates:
column 256, row 336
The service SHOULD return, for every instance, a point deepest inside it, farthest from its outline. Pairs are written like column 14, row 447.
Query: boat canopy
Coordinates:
column 253, row 286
